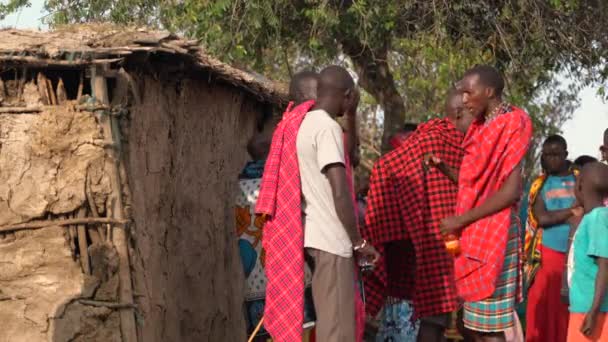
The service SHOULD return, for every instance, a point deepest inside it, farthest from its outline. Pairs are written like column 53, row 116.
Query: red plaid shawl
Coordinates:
column 280, row 198
column 406, row 203
column 492, row 151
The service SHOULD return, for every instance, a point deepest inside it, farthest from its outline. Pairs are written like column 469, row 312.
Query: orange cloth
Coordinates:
column 574, row 329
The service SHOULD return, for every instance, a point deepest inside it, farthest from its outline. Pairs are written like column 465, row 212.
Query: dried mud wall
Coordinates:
column 186, row 146
column 45, row 160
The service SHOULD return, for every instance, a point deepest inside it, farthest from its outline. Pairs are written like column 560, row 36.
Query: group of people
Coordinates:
column 438, row 229
column 565, row 271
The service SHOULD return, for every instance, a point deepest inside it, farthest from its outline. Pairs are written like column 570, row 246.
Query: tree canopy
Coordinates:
column 406, row 53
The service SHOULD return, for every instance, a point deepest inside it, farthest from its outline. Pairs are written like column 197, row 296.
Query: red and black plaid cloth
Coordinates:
column 280, row 198
column 406, row 204
column 283, row 239
column 493, row 150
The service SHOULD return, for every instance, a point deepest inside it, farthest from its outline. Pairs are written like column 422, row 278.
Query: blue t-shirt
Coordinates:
column 558, row 193
column 590, row 242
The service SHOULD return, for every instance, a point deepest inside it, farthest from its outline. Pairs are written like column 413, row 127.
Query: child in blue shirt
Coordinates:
column 588, row 259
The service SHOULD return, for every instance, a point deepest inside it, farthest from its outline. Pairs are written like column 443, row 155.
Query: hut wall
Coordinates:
column 45, row 160
column 186, row 146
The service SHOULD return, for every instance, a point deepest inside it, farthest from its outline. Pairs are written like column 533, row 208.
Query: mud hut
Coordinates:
column 119, row 151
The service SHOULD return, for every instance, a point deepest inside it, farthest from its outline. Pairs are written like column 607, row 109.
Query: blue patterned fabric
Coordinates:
column 253, row 170
column 397, row 323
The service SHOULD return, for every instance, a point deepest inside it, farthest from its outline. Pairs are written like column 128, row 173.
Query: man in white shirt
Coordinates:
column 330, row 225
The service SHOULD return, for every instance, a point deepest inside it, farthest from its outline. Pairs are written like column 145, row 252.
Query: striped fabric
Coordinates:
column 496, row 313
column 493, row 149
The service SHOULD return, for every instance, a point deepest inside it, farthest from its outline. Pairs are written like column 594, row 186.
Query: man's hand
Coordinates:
column 430, row 160
column 369, row 253
column 577, row 211
column 452, row 225
column 589, row 323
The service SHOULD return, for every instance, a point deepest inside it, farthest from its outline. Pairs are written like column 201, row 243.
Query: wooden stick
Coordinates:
column 61, row 223
column 62, row 96
column 82, row 243
column 80, row 86
column 22, row 84
column 40, row 62
column 92, row 205
column 119, row 237
column 72, row 232
column 18, row 110
column 51, row 91
column 256, row 330
column 90, row 108
column 82, row 108
column 105, row 304
column 41, row 82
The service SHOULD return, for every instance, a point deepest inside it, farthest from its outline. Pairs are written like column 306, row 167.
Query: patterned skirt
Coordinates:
column 397, row 322
column 495, row 314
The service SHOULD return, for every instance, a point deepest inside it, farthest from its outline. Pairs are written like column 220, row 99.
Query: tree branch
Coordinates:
column 376, row 78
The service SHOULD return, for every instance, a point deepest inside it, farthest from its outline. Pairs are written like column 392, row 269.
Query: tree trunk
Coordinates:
column 376, row 78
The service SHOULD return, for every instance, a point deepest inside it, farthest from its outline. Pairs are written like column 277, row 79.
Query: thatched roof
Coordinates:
column 91, row 44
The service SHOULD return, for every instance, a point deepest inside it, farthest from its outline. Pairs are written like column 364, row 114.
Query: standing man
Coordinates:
column 405, row 208
column 547, row 315
column 489, row 187
column 302, row 88
column 330, row 225
column 307, row 162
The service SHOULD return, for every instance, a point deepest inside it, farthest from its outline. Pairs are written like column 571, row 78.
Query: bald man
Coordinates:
column 303, row 87
column 405, row 207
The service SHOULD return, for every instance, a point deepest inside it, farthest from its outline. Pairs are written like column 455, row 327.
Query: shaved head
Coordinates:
column 595, row 179
column 336, row 93
column 593, row 184
column 455, row 111
column 453, row 104
column 334, row 79
column 303, row 87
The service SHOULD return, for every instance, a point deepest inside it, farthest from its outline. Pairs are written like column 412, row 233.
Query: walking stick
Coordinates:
column 256, row 330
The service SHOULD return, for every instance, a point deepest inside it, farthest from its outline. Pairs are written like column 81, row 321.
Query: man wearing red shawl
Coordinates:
column 308, row 197
column 405, row 206
column 488, row 272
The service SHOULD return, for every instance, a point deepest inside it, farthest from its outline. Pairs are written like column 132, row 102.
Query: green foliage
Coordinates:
column 12, row 6
column 407, row 53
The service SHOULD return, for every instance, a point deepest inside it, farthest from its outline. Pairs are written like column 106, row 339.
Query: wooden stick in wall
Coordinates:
column 22, row 84
column 80, row 86
column 52, row 95
column 93, row 206
column 82, row 243
column 62, row 96
column 119, row 236
column 2, row 91
column 61, row 223
column 44, row 95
